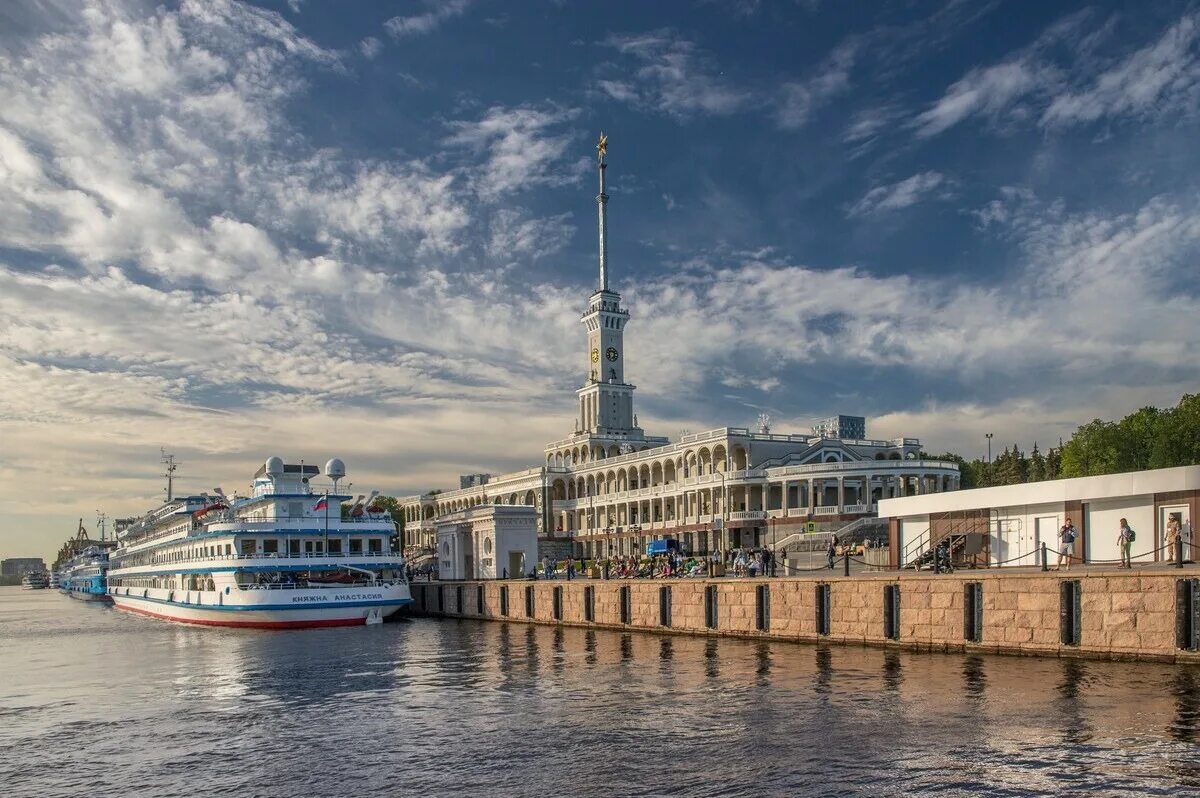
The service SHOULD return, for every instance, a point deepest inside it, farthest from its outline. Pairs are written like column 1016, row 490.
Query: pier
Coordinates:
column 1152, row 614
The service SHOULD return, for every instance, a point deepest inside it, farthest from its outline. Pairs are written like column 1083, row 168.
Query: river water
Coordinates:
column 98, row 702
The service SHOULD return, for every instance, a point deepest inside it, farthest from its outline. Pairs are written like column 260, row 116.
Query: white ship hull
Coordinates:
column 267, row 609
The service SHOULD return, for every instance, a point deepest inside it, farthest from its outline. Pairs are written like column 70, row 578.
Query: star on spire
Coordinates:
column 602, row 146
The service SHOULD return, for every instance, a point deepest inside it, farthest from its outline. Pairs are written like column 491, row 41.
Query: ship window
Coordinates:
column 356, row 545
column 335, row 546
column 248, row 547
column 308, row 547
column 271, row 546
column 375, row 545
column 227, row 548
column 320, row 546
column 293, row 547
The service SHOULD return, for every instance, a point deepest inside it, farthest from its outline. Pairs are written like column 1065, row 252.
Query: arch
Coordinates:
column 622, row 481
column 703, row 461
column 429, row 513
column 590, row 487
column 879, row 456
column 644, row 476
column 558, row 491
column 512, row 499
column 570, row 489
column 830, row 457
column 894, row 456
column 499, row 500
column 614, row 450
column 719, row 456
column 530, row 498
column 549, row 461
column 656, row 474
column 689, row 464
column 610, row 482
column 668, row 472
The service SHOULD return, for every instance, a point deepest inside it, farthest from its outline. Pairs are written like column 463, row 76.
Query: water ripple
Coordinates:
column 97, row 701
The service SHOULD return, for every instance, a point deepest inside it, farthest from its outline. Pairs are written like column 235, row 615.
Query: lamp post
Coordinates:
column 724, row 497
column 988, row 435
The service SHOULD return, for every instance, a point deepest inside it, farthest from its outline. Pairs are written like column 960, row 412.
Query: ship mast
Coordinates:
column 169, row 461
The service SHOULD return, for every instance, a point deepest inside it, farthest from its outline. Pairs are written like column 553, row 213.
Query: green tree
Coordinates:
column 1008, row 468
column 1037, row 466
column 1053, row 463
column 968, row 471
column 1091, row 450
column 1177, row 439
column 1136, row 436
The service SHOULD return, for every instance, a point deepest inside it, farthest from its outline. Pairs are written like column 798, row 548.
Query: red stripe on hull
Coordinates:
column 251, row 624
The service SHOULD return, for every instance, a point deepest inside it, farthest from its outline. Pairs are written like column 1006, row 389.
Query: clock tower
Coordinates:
column 605, row 400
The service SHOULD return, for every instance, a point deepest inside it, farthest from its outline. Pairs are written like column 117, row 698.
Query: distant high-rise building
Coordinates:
column 845, row 427
column 473, row 480
column 19, row 566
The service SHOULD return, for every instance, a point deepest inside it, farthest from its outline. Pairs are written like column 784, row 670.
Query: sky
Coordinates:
column 368, row 230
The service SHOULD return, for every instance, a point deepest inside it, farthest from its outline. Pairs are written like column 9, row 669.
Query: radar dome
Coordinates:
column 275, row 466
column 335, row 468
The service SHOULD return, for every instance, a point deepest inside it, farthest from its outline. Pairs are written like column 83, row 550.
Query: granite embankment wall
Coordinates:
column 1102, row 615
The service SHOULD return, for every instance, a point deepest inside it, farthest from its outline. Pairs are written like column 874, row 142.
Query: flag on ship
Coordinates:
column 321, row 505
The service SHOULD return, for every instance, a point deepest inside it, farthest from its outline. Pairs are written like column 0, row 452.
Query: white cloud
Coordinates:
column 987, row 91
column 1059, row 81
column 1161, row 77
column 800, row 99
column 673, row 77
column 524, row 146
column 902, row 194
column 440, row 11
column 370, row 47
column 516, row 236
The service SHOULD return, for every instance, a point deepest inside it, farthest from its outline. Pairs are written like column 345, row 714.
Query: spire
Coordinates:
column 602, row 202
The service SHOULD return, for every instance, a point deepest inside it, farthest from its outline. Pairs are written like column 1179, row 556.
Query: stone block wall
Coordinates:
column 1122, row 615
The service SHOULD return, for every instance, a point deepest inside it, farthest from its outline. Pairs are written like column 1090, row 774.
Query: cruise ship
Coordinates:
column 82, row 576
column 281, row 557
column 79, row 570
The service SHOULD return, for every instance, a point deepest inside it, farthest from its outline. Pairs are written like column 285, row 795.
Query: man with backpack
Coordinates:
column 1066, row 548
column 1125, row 540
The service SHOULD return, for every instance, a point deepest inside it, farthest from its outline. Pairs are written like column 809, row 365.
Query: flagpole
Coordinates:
column 326, row 521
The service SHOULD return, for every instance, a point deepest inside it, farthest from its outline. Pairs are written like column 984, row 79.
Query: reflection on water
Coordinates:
column 109, row 703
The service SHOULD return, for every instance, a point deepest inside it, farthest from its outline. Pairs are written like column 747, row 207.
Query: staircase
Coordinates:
column 855, row 531
column 952, row 533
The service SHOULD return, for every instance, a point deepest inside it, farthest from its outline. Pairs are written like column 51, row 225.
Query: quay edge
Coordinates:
column 1117, row 616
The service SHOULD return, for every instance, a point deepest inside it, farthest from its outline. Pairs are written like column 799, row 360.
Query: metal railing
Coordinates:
column 267, row 556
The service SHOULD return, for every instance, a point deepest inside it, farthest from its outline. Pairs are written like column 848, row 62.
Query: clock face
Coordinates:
column 595, row 355
column 611, row 354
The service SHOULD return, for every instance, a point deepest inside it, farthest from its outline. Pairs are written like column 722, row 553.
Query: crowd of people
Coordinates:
column 741, row 562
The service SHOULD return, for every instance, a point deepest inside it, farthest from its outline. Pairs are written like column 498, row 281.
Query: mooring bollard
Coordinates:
column 846, row 564
column 1179, row 552
column 1045, row 562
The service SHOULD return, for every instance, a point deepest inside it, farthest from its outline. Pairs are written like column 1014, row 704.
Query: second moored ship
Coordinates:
column 281, row 557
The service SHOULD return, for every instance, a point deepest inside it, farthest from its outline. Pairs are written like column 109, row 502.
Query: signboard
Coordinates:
column 810, row 527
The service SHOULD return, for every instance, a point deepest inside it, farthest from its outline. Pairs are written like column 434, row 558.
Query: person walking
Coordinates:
column 1066, row 544
column 831, row 551
column 714, row 560
column 1125, row 538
